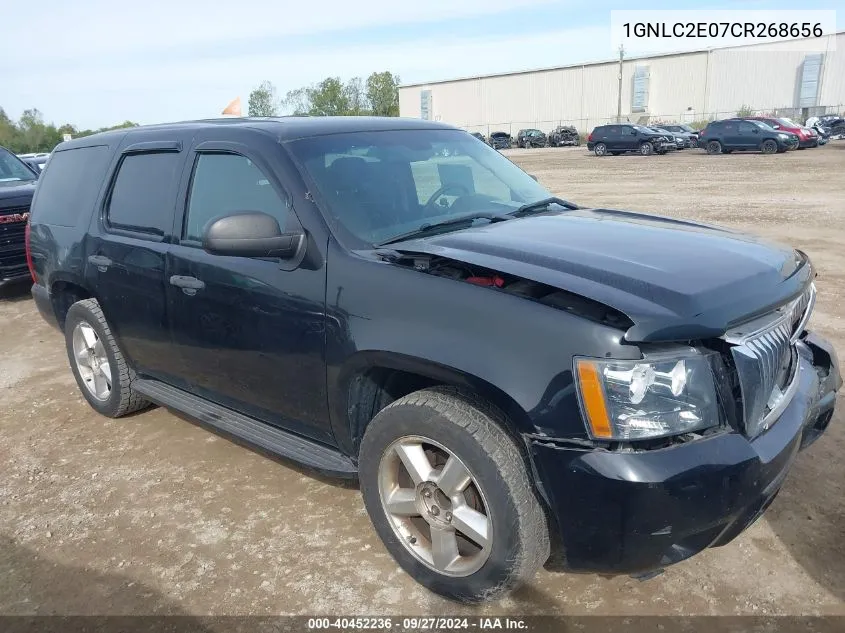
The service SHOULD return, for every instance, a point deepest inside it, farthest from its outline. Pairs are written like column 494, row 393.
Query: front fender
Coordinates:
column 459, row 333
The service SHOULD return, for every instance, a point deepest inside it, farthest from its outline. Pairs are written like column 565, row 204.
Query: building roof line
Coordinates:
column 602, row 62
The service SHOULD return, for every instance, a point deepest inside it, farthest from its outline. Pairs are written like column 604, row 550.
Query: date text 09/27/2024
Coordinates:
column 416, row 623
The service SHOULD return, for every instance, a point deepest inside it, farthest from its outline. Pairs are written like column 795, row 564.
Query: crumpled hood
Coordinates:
column 675, row 280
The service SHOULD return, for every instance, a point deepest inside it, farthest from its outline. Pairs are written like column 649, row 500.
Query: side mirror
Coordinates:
column 534, row 177
column 251, row 234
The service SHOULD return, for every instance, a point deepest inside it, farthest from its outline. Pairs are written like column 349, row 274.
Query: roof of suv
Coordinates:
column 284, row 128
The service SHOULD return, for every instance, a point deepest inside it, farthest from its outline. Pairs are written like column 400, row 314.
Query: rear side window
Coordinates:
column 142, row 198
column 69, row 186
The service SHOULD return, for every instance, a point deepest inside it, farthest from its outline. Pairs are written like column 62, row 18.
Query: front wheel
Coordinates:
column 600, row 149
column 769, row 147
column 449, row 493
column 646, row 149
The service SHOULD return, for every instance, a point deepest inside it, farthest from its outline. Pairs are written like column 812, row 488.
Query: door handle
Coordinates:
column 100, row 261
column 189, row 285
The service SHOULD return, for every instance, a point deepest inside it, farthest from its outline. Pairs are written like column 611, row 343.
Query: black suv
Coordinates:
column 17, row 184
column 564, row 135
column 500, row 140
column 621, row 138
column 730, row 135
column 514, row 380
column 531, row 138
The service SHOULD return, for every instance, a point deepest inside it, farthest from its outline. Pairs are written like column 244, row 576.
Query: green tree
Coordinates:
column 356, row 97
column 329, row 98
column 745, row 110
column 262, row 100
column 383, row 93
column 297, row 102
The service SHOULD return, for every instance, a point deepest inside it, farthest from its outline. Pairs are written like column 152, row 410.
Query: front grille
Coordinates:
column 13, row 245
column 766, row 361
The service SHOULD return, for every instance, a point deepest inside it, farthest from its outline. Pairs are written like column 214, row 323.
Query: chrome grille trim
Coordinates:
column 766, row 360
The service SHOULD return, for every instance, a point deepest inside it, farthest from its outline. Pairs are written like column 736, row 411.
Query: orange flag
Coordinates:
column 233, row 108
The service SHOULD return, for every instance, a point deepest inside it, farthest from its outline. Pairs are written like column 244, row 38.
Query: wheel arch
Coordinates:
column 65, row 290
column 371, row 380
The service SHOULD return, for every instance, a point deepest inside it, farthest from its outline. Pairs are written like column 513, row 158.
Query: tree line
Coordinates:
column 377, row 96
column 31, row 134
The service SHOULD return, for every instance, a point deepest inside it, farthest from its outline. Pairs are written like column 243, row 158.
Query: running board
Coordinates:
column 312, row 454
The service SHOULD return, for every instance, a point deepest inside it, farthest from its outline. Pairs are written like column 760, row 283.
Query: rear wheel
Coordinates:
column 646, row 149
column 714, row 147
column 449, row 494
column 102, row 373
column 600, row 149
column 769, row 147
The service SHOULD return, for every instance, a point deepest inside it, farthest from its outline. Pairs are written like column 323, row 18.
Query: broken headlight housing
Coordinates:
column 658, row 396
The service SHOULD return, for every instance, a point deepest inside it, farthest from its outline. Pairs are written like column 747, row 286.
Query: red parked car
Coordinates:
column 807, row 137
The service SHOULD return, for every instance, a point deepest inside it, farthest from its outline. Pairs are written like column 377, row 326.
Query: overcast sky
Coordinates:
column 99, row 62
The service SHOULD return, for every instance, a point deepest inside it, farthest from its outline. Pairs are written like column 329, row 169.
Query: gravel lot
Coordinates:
column 152, row 514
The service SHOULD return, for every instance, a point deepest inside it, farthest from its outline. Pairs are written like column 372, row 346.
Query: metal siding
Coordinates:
column 681, row 88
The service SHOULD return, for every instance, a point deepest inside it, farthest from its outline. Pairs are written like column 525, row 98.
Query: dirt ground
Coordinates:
column 152, row 514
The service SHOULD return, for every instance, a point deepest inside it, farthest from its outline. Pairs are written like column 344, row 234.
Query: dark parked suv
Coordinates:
column 531, row 138
column 730, row 135
column 17, row 184
column 618, row 139
column 514, row 380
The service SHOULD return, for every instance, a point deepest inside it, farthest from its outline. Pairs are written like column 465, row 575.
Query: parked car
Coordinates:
column 531, row 138
column 626, row 137
column 679, row 141
column 313, row 286
column 564, row 135
column 807, row 137
column 17, row 184
column 36, row 163
column 479, row 136
column 688, row 132
column 829, row 126
column 729, row 135
column 500, row 140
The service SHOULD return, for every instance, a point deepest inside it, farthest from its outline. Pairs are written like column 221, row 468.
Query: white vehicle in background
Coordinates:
column 36, row 160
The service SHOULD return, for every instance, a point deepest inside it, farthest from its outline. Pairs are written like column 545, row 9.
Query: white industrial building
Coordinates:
column 779, row 77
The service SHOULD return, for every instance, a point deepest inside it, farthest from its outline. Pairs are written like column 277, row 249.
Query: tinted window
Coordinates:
column 379, row 185
column 12, row 168
column 69, row 185
column 143, row 192
column 747, row 128
column 226, row 183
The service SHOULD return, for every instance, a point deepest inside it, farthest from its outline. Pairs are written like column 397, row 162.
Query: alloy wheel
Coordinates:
column 435, row 506
column 92, row 362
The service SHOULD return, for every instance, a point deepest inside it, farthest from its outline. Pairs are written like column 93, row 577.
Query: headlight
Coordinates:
column 783, row 136
column 643, row 399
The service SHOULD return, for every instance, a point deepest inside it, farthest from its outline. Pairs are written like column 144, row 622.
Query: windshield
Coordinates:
column 12, row 168
column 379, row 185
column 787, row 122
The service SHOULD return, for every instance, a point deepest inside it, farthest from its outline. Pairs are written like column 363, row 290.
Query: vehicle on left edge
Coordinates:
column 17, row 185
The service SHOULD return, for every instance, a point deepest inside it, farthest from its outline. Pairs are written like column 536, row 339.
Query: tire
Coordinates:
column 646, row 148
column 693, row 143
column 86, row 325
column 440, row 425
column 769, row 146
column 713, row 147
column 600, row 149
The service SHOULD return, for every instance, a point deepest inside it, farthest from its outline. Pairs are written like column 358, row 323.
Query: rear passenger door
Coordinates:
column 249, row 333
column 125, row 258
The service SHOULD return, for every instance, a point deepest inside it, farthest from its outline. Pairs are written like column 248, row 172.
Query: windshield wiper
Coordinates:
column 540, row 205
column 436, row 227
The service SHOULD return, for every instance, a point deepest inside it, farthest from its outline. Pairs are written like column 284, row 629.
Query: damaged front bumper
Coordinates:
column 633, row 512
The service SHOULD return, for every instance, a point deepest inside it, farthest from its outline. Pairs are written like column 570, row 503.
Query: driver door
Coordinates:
column 248, row 333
